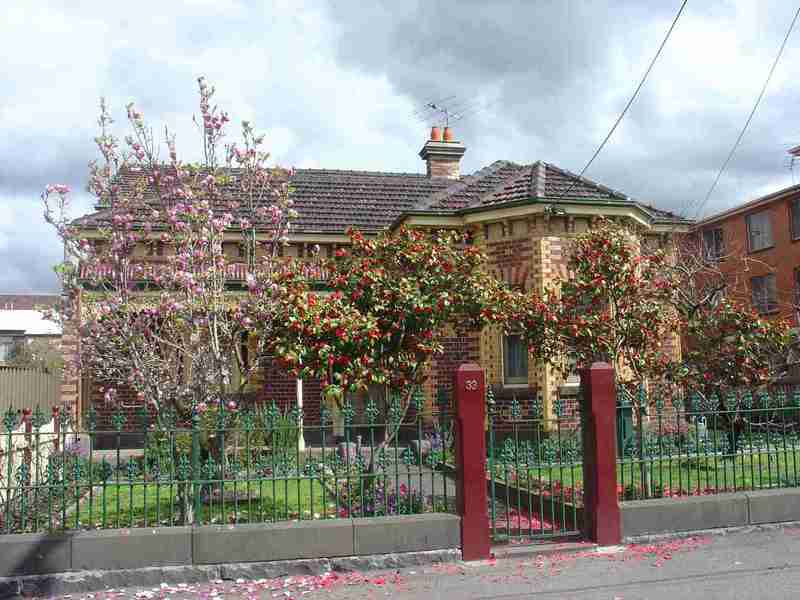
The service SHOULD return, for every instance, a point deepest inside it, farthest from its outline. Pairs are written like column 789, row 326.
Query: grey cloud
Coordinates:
column 557, row 66
column 333, row 83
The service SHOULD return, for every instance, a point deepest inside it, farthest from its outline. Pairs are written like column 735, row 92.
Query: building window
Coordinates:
column 515, row 359
column 765, row 294
column 6, row 349
column 759, row 231
column 794, row 208
column 713, row 244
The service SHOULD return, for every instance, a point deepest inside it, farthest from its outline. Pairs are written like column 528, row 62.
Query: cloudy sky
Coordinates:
column 336, row 84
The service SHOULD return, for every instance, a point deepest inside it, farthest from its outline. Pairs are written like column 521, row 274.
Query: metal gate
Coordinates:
column 534, row 465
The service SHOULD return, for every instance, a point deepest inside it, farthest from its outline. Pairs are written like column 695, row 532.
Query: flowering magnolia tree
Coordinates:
column 392, row 300
column 157, row 267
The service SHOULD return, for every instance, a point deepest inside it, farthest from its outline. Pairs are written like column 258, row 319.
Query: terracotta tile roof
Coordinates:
column 329, row 201
column 468, row 190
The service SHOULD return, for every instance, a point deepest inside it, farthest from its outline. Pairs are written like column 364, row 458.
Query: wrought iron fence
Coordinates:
column 227, row 466
column 696, row 445
column 534, row 464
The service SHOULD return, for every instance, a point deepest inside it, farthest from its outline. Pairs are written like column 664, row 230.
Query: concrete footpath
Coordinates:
column 761, row 564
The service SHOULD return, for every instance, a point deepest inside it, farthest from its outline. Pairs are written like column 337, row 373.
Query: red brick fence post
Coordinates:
column 598, row 431
column 469, row 389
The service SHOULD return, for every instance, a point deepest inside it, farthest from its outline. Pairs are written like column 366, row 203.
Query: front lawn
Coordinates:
column 669, row 476
column 145, row 504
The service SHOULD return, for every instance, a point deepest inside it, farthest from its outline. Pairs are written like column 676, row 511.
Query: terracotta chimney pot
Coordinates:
column 436, row 134
column 448, row 134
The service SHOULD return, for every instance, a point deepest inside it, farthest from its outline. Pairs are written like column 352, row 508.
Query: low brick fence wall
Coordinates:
column 36, row 554
column 697, row 513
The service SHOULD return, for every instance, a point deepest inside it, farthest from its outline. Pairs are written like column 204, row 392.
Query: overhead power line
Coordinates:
column 630, row 102
column 702, row 205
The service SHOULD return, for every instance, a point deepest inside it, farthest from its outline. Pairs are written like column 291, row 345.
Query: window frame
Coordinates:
column 7, row 344
column 771, row 303
column 794, row 221
column 508, row 379
column 714, row 254
column 748, row 226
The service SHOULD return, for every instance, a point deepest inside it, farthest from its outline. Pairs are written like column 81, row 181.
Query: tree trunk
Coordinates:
column 186, row 503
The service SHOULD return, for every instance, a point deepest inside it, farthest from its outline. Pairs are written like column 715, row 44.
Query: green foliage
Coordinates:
column 728, row 347
column 613, row 305
column 393, row 299
column 276, row 429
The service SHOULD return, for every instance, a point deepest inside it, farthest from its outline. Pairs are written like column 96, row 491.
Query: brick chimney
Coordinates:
column 443, row 156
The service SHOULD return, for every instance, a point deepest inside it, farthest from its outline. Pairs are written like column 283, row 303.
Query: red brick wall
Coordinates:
column 782, row 259
column 281, row 387
column 510, row 259
column 458, row 349
column 125, row 403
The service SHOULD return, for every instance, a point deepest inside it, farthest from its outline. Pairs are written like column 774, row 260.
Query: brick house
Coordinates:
column 757, row 245
column 523, row 215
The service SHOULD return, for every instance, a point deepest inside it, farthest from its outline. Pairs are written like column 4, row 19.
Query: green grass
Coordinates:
column 150, row 504
column 743, row 471
column 679, row 475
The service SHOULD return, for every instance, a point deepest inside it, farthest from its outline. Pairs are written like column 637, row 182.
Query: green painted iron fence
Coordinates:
column 225, row 466
column 534, row 464
column 685, row 445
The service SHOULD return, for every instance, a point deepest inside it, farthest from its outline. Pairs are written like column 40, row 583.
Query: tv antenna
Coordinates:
column 450, row 110
column 442, row 111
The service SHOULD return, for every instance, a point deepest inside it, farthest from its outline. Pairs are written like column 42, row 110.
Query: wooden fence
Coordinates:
column 28, row 388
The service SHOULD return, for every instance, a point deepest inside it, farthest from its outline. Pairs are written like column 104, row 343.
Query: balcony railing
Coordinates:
column 315, row 270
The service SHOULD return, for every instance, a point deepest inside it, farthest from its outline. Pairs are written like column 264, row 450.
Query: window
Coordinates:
column 7, row 347
column 713, row 244
column 515, row 359
column 765, row 295
column 794, row 208
column 759, row 231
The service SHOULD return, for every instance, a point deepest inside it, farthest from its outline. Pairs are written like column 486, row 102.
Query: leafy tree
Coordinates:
column 392, row 300
column 727, row 345
column 613, row 307
column 728, row 348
